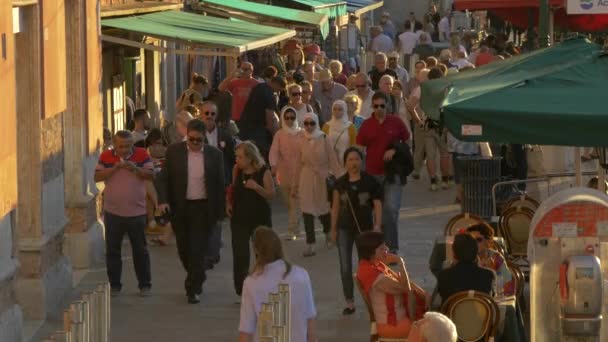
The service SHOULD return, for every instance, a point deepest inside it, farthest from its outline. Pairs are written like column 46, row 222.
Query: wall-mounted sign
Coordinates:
column 587, row 7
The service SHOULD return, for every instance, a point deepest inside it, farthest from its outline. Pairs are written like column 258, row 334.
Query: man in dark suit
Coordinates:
column 465, row 275
column 191, row 185
column 220, row 138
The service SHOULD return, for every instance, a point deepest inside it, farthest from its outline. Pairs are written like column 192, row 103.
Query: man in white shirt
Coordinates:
column 444, row 27
column 365, row 94
column 380, row 42
column 407, row 43
column 139, row 132
column 387, row 25
column 462, row 62
column 393, row 64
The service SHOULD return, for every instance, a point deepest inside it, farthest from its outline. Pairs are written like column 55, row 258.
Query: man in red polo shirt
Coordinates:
column 378, row 133
column 124, row 170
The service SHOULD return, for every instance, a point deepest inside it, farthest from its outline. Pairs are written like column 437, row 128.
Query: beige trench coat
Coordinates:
column 316, row 161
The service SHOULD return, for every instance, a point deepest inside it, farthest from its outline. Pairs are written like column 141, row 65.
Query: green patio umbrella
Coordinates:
column 554, row 96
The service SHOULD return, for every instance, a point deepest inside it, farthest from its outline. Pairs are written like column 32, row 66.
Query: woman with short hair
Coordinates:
column 270, row 270
column 294, row 92
column 247, row 205
column 353, row 103
column 335, row 67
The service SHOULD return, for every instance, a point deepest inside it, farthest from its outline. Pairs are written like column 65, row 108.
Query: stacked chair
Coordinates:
column 514, row 226
column 274, row 320
column 475, row 314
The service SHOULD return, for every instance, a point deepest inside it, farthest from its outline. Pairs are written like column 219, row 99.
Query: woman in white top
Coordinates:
column 270, row 270
column 283, row 159
column 340, row 130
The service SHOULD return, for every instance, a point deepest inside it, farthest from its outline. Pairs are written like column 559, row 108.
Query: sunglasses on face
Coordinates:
column 195, row 140
column 361, row 85
column 296, row 94
column 290, row 118
column 245, row 70
column 209, row 113
column 310, row 123
column 379, row 105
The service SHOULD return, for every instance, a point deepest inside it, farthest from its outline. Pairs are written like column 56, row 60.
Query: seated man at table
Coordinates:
column 465, row 274
column 389, row 292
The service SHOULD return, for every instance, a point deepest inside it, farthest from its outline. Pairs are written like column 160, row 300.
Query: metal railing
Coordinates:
column 87, row 319
column 544, row 179
column 274, row 321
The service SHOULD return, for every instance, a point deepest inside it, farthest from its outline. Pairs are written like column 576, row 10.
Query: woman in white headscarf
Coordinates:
column 341, row 132
column 316, row 161
column 283, row 159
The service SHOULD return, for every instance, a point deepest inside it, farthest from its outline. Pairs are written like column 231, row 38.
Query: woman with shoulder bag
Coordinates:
column 356, row 207
column 316, row 162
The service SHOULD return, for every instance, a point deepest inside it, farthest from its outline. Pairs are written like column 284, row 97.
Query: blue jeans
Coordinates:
column 390, row 211
column 134, row 227
column 346, row 240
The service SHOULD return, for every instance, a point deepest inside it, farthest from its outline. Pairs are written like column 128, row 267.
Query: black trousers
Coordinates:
column 309, row 226
column 134, row 227
column 241, row 235
column 191, row 229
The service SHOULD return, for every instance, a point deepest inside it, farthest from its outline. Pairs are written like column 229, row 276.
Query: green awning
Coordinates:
column 331, row 8
column 304, row 18
column 201, row 30
column 555, row 96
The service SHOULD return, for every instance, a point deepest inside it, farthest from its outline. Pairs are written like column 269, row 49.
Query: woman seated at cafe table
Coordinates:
column 388, row 291
column 492, row 259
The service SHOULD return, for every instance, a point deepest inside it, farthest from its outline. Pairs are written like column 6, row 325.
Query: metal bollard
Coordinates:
column 78, row 323
column 278, row 332
column 267, row 339
column 61, row 336
column 87, row 298
column 285, row 295
column 265, row 320
column 275, row 301
column 100, row 315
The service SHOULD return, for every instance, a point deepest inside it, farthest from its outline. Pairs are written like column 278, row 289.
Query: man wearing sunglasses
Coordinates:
column 239, row 84
column 220, row 138
column 191, row 184
column 381, row 134
column 365, row 94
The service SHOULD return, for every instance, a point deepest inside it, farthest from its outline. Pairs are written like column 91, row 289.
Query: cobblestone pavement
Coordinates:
column 165, row 316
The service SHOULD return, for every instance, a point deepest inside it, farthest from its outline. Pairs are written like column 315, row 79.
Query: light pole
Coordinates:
column 543, row 23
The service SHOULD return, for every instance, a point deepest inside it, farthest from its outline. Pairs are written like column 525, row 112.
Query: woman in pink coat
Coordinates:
column 283, row 157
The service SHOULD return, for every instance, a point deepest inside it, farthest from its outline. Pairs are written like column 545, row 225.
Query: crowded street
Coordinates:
column 164, row 317
column 303, row 171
